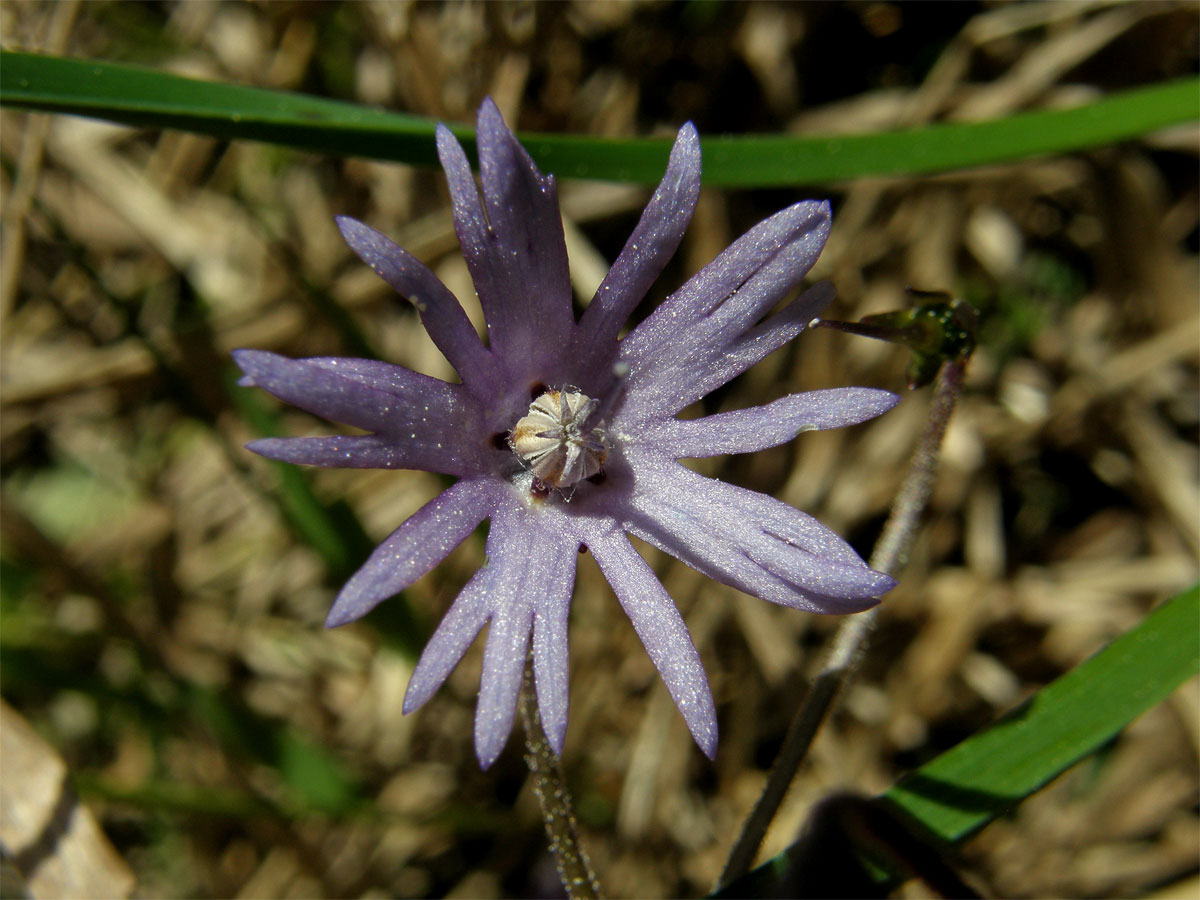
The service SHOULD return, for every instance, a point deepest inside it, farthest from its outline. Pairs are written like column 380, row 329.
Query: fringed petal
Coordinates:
column 552, row 605
column 647, row 252
column 530, row 573
column 750, row 541
column 418, row 545
column 500, row 684
column 662, row 632
column 439, row 309
column 709, row 330
column 399, row 404
column 678, row 383
column 455, row 633
column 513, row 243
column 760, row 427
column 366, row 451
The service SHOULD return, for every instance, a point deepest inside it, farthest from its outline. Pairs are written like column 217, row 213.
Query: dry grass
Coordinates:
column 145, row 553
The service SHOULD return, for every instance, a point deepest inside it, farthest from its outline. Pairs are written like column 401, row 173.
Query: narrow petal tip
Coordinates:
column 687, row 145
column 706, row 736
column 263, row 446
column 358, row 596
column 700, row 715
column 350, row 228
column 445, row 140
column 341, row 615
column 557, row 737
column 372, row 247
column 866, row 595
column 490, row 112
column 411, row 702
column 248, row 361
column 488, row 744
column 683, row 166
column 883, row 583
column 889, row 401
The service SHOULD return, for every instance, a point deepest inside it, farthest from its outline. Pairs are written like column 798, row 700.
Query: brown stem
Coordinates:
column 850, row 641
column 574, row 870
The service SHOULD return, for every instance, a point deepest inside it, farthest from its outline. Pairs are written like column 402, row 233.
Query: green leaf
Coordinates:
column 991, row 772
column 988, row 774
column 144, row 97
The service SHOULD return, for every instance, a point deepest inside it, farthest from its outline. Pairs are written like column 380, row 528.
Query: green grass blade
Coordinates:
column 988, row 774
column 145, row 97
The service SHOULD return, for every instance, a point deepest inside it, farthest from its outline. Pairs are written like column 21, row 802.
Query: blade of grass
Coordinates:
column 144, row 97
column 988, row 774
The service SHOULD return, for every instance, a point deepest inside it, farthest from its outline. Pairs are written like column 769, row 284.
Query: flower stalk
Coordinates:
column 574, row 869
column 850, row 641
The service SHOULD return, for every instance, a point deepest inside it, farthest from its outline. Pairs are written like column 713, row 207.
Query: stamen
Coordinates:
column 555, row 442
column 620, row 372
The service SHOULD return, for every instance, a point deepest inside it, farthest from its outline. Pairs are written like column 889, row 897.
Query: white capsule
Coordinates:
column 550, row 441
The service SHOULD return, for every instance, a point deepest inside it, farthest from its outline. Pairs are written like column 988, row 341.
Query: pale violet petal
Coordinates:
column 439, row 309
column 662, row 631
column 454, row 634
column 674, row 382
column 423, row 541
column 376, row 396
column 760, row 427
column 529, row 573
column 513, row 574
column 750, row 541
column 522, row 209
column 647, row 252
column 500, row 683
column 367, row 451
column 552, row 604
column 515, row 248
column 733, row 292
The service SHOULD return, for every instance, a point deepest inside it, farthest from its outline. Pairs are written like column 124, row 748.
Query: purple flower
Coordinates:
column 565, row 436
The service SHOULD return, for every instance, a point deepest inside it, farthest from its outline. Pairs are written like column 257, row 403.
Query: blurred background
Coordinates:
column 163, row 590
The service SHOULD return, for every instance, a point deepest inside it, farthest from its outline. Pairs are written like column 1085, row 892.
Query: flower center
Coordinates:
column 551, row 441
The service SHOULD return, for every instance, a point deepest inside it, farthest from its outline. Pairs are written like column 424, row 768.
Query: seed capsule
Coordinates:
column 550, row 441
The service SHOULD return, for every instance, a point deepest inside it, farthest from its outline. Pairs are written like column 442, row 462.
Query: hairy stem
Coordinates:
column 574, row 870
column 850, row 641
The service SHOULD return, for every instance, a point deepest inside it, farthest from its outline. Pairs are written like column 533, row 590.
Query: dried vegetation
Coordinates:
column 149, row 562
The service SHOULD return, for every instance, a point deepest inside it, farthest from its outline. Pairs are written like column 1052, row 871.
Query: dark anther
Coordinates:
column 500, row 440
column 599, row 478
column 537, row 389
column 583, row 548
column 539, row 488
